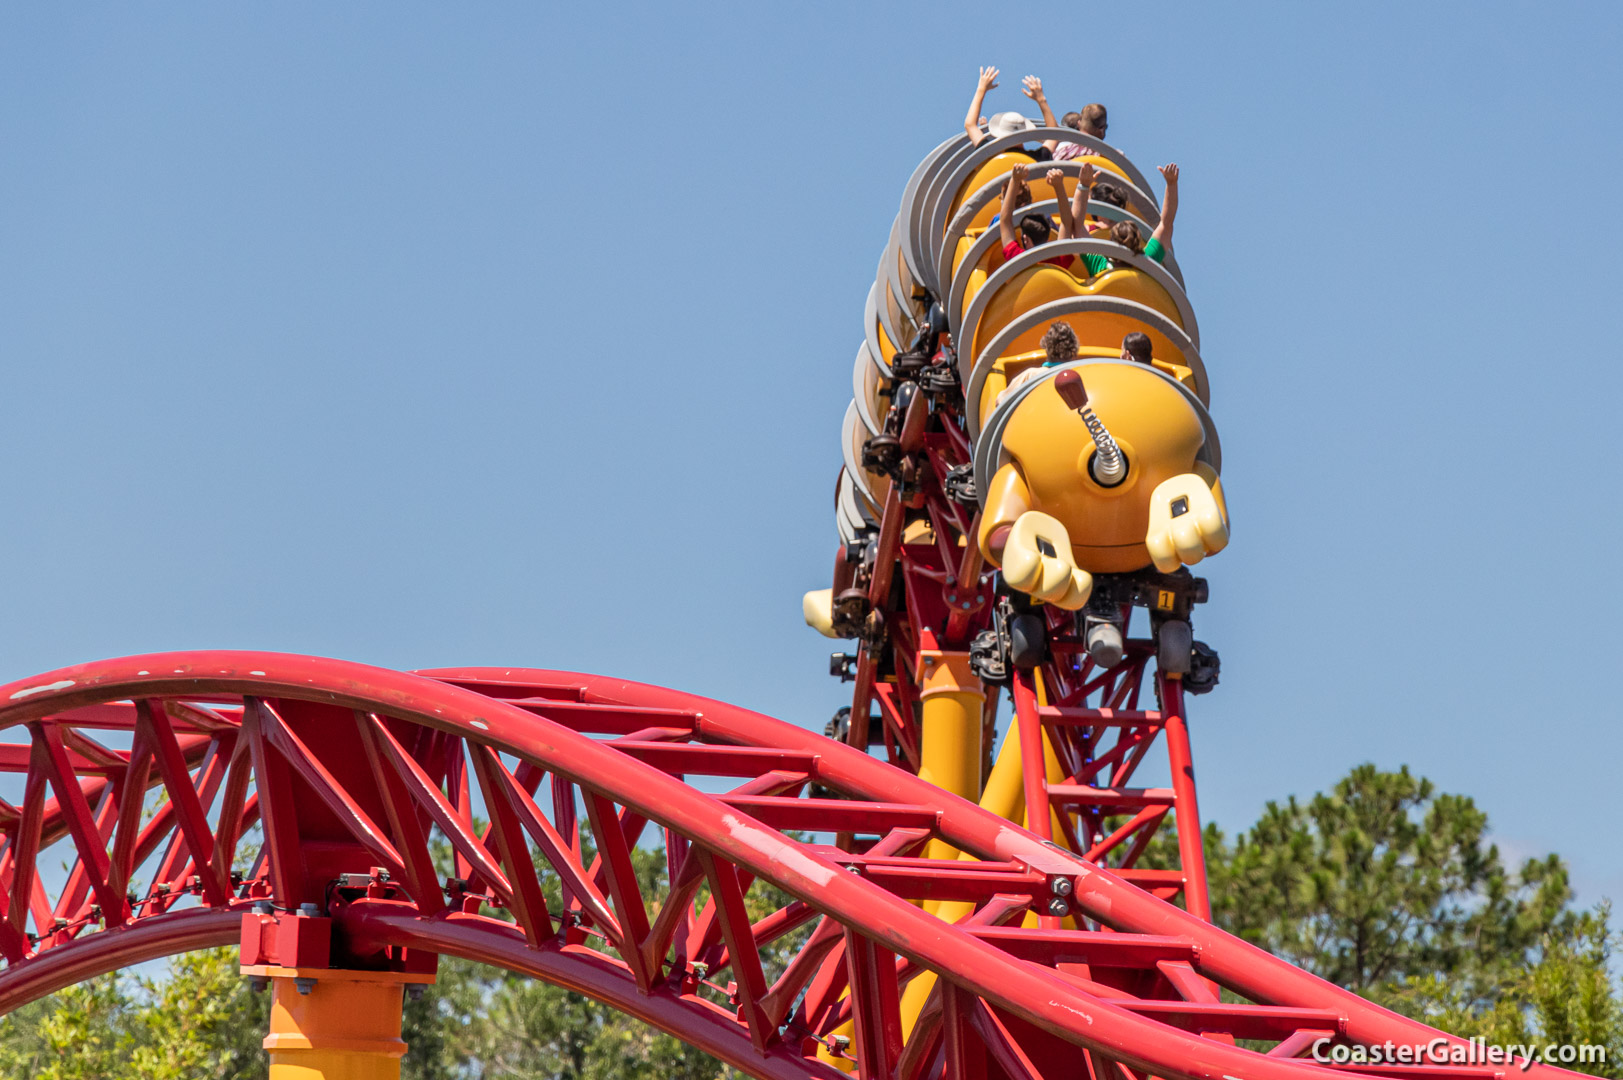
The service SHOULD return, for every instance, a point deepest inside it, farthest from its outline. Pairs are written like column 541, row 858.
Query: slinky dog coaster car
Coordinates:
column 1097, row 466
column 986, row 481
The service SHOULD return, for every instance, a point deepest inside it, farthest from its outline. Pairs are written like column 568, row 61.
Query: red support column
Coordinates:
column 1033, row 765
column 1186, row 810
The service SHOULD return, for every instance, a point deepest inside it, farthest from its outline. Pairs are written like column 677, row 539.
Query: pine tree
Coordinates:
column 1390, row 889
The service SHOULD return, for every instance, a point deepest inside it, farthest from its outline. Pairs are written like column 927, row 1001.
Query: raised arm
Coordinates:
column 1034, row 90
column 1005, row 221
column 1079, row 201
column 1067, row 220
column 1169, row 207
column 972, row 120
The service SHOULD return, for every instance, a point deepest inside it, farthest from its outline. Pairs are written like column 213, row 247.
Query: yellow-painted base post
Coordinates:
column 1004, row 796
column 332, row 1024
column 951, row 700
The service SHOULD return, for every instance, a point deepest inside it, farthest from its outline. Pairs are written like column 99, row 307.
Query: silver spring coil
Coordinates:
column 1108, row 466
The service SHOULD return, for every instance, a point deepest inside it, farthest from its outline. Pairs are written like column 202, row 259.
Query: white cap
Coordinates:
column 1007, row 123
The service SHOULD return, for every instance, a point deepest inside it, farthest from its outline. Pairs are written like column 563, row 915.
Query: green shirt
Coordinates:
column 1098, row 264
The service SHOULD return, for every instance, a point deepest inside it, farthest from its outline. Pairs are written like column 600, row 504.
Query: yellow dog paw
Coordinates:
column 1186, row 523
column 1037, row 561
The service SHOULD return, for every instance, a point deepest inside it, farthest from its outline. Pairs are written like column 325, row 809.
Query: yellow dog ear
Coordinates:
column 1037, row 560
column 1186, row 523
column 1006, row 499
column 818, row 607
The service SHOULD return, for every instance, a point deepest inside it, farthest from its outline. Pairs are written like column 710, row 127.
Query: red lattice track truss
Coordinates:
column 1101, row 736
column 172, row 769
column 1092, row 715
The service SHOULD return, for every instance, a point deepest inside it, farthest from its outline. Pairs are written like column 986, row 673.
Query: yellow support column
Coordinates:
column 1005, row 796
column 950, row 702
column 332, row 1024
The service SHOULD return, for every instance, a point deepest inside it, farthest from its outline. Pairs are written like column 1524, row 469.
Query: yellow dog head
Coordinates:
column 1041, row 456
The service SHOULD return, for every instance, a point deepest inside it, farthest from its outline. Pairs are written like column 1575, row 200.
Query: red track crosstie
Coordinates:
column 156, row 768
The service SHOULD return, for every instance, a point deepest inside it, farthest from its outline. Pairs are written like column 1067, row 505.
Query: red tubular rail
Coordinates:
column 1008, row 1008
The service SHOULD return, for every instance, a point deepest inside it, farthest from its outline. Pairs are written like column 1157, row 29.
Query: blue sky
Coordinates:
column 428, row 335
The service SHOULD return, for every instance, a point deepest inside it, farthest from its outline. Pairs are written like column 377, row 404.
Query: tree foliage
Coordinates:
column 81, row 1033
column 201, row 1021
column 1384, row 879
column 1565, row 996
column 1389, row 888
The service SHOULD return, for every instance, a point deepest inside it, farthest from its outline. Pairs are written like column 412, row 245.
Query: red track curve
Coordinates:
column 357, row 761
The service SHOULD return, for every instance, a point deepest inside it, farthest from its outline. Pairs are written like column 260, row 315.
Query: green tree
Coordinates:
column 1384, row 879
column 1567, row 996
column 1569, row 991
column 202, row 1021
column 80, row 1033
column 1391, row 889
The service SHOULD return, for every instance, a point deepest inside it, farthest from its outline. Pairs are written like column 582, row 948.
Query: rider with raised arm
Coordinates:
column 1033, row 229
column 1066, row 206
column 973, row 119
column 1033, row 89
column 1169, row 211
column 1073, row 218
column 1008, row 123
column 1125, row 233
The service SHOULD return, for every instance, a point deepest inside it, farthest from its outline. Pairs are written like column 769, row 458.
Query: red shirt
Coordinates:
column 1013, row 248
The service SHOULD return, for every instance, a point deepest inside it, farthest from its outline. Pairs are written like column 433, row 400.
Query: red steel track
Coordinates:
column 167, row 767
